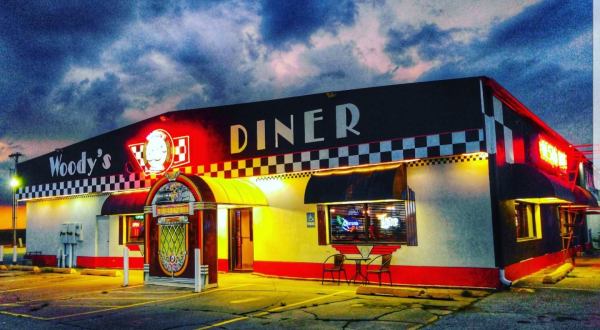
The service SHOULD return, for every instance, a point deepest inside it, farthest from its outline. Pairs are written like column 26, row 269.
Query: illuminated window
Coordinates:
column 527, row 221
column 131, row 229
column 372, row 222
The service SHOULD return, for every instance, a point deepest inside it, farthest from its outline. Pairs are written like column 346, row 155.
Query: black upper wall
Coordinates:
column 386, row 112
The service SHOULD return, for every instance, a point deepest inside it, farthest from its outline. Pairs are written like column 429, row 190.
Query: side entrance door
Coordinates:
column 102, row 235
column 241, row 240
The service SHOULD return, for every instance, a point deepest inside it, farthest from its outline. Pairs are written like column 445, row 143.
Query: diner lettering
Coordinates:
column 346, row 118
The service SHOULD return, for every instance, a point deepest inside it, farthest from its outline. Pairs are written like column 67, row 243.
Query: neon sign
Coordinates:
column 551, row 155
column 347, row 225
column 388, row 222
column 160, row 152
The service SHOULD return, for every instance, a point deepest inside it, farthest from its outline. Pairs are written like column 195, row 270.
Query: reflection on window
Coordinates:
column 527, row 221
column 368, row 222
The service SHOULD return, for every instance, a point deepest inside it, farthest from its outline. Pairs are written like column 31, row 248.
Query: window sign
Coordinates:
column 369, row 222
column 310, row 219
column 135, row 229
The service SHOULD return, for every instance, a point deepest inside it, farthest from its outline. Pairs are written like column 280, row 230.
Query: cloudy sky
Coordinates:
column 72, row 70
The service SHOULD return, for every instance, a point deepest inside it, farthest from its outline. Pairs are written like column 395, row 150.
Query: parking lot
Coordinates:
column 65, row 301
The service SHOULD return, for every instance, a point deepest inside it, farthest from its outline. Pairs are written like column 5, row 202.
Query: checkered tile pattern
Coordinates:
column 420, row 147
column 138, row 153
column 181, row 154
column 430, row 146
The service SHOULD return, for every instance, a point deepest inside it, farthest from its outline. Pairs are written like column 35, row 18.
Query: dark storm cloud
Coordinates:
column 88, row 105
column 430, row 41
column 284, row 22
column 149, row 9
column 39, row 40
column 545, row 24
column 536, row 56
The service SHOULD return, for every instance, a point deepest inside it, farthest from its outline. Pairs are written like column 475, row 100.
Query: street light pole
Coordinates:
column 14, row 184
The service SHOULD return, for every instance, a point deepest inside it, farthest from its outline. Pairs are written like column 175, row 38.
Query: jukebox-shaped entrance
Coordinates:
column 180, row 217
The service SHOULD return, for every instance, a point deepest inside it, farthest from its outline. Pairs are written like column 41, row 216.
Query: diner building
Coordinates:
column 456, row 179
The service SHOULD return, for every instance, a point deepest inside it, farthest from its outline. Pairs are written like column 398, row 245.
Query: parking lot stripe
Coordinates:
column 306, row 301
column 25, row 316
column 37, row 287
column 74, row 296
column 241, row 318
column 113, row 298
column 239, row 301
column 143, row 303
column 89, row 306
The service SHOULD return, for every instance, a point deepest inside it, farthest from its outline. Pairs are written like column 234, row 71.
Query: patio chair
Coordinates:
column 337, row 266
column 384, row 267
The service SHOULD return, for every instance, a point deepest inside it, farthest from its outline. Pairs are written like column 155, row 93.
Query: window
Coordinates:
column 527, row 221
column 133, row 227
column 372, row 222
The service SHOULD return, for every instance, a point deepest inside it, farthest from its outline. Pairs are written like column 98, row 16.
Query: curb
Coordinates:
column 421, row 293
column 58, row 270
column 558, row 274
column 102, row 272
column 34, row 269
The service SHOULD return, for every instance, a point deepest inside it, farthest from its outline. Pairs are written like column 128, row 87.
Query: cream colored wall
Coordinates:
column 454, row 222
column 280, row 232
column 44, row 218
column 454, row 226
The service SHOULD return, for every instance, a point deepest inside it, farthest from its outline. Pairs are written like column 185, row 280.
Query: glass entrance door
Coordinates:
column 241, row 245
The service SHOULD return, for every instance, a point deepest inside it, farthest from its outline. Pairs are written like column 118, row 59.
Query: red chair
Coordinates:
column 337, row 266
column 384, row 267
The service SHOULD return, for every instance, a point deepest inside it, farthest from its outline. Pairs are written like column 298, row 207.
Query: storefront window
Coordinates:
column 134, row 229
column 527, row 221
column 368, row 222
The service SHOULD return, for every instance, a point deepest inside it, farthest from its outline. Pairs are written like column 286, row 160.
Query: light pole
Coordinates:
column 14, row 183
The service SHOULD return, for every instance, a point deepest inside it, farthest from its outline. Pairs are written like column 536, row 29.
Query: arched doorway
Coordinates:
column 180, row 217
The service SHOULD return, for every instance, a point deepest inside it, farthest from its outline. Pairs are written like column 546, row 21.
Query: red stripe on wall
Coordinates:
column 408, row 275
column 530, row 266
column 109, row 262
column 44, row 260
column 223, row 265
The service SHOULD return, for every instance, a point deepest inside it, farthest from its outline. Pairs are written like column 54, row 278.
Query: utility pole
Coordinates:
column 14, row 183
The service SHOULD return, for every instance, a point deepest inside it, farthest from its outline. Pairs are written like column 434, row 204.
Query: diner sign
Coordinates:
column 551, row 155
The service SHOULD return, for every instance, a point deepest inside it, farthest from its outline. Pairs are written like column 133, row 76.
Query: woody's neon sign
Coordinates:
column 551, row 155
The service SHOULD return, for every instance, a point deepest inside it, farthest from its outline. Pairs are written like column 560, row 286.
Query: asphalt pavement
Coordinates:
column 245, row 301
column 572, row 303
column 66, row 301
